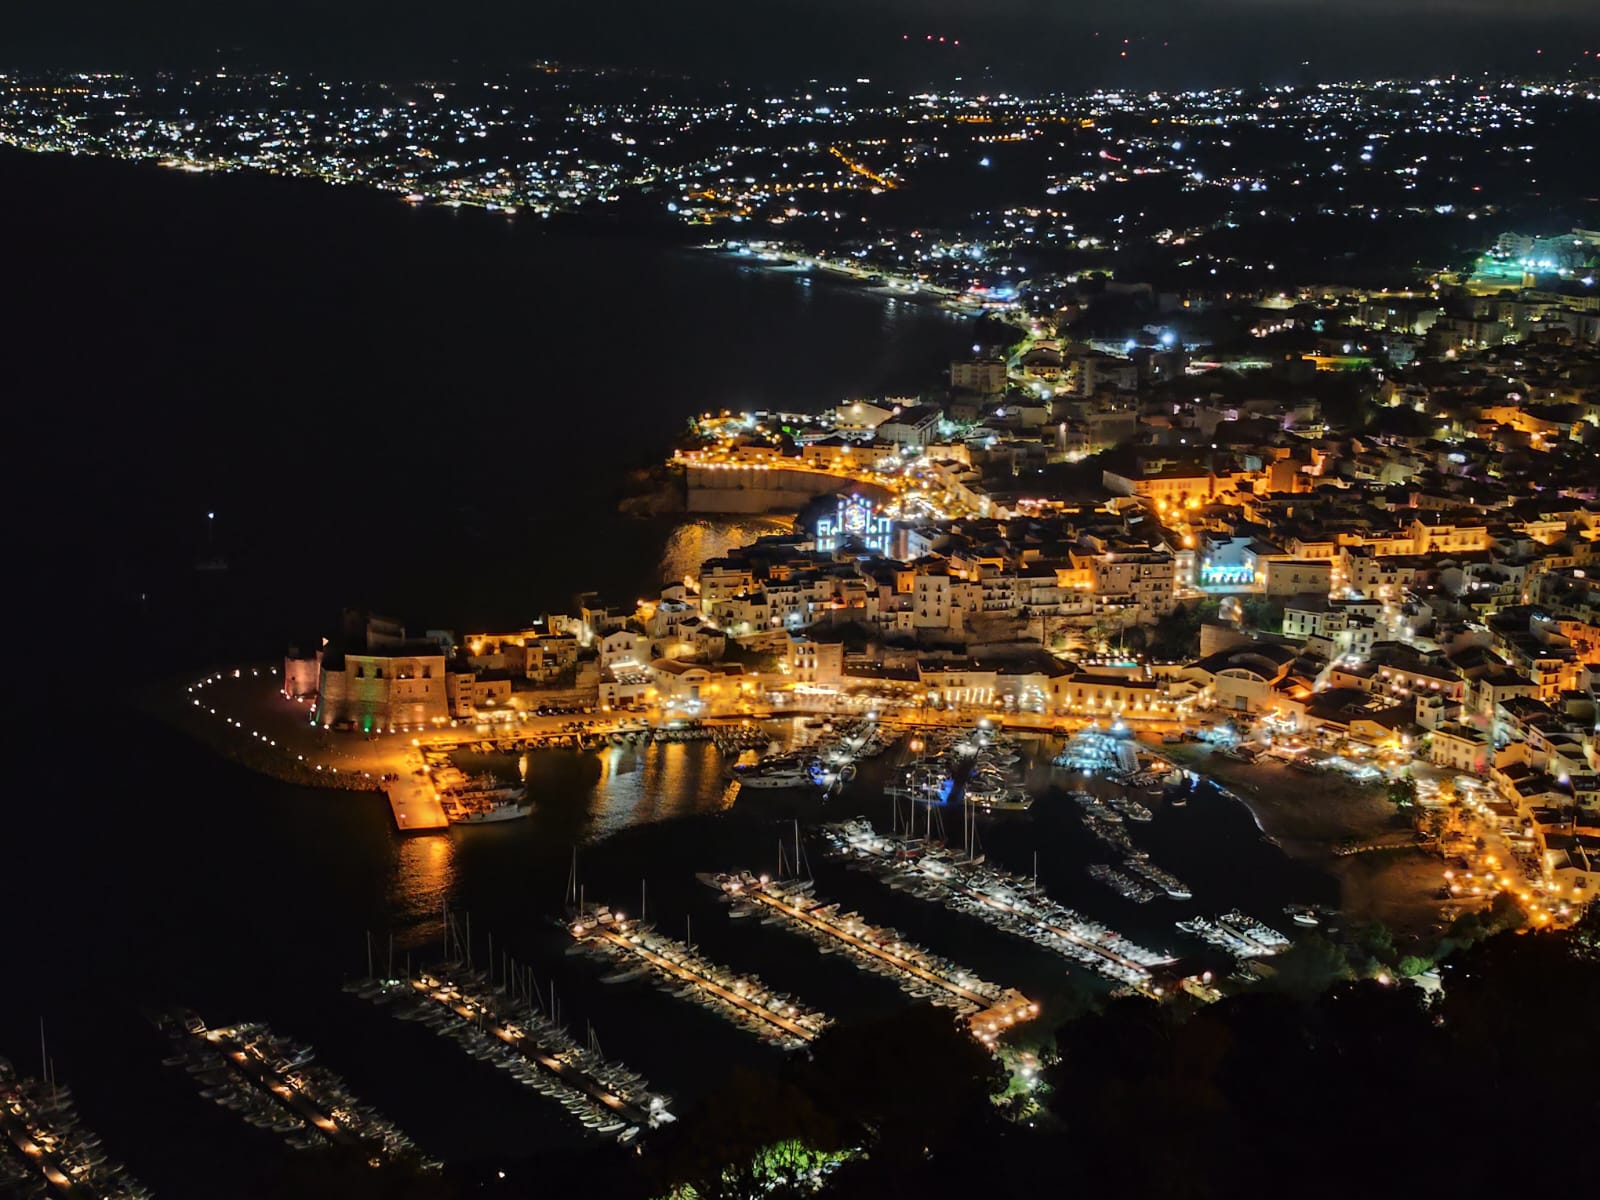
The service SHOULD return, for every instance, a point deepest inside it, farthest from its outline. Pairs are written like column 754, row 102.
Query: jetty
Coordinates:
column 987, row 1008
column 414, row 800
column 777, row 1018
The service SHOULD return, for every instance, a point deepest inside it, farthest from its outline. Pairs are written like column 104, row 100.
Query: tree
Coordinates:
column 1377, row 941
column 1309, row 966
column 1412, row 964
column 882, row 1077
column 1506, row 913
column 753, row 1137
column 1176, row 637
column 1263, row 614
column 1403, row 792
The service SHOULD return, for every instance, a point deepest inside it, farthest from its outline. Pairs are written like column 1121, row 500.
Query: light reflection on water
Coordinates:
column 424, row 876
column 655, row 783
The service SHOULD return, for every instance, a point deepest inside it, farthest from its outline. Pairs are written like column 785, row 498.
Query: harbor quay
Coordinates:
column 242, row 713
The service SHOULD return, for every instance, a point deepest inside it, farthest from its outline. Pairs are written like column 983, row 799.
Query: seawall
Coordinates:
column 765, row 489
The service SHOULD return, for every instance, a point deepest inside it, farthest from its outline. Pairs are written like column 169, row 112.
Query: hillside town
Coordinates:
column 1369, row 553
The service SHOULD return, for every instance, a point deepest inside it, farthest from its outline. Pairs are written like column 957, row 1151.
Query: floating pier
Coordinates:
column 506, row 1030
column 988, row 1008
column 270, row 1082
column 777, row 1018
column 415, row 803
column 1015, row 905
column 55, row 1153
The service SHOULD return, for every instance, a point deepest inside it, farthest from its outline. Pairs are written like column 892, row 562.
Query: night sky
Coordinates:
column 1023, row 43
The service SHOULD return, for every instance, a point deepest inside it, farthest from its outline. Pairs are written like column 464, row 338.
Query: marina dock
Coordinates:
column 988, row 1008
column 777, row 1018
column 55, row 1153
column 1008, row 902
column 504, row 1030
column 415, row 802
column 273, row 1084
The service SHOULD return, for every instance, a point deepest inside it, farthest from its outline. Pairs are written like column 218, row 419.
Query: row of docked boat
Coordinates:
column 736, row 739
column 58, row 1155
column 1149, row 780
column 1130, row 808
column 1111, row 832
column 1124, row 885
column 1095, row 750
column 1094, row 806
column 917, row 971
column 682, row 731
column 995, row 782
column 272, row 1083
column 779, row 771
column 775, row 1017
column 1165, row 880
column 1112, row 808
column 830, row 761
column 1240, row 935
column 475, row 799
column 501, row 1025
column 1009, row 902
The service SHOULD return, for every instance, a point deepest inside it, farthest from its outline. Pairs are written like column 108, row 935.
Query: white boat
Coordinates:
column 1123, row 885
column 774, row 779
column 494, row 811
column 1167, row 882
column 1241, row 925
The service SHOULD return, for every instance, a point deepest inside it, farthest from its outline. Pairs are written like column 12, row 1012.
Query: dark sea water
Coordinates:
column 426, row 411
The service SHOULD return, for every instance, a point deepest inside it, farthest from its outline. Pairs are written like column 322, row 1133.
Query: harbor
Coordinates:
column 987, row 1008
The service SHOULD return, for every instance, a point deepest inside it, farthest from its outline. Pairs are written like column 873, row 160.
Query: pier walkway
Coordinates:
column 414, row 800
column 620, row 943
column 447, row 995
column 1008, row 911
column 987, row 1013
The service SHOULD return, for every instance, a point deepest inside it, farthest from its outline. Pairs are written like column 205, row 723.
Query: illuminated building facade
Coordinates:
column 858, row 521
